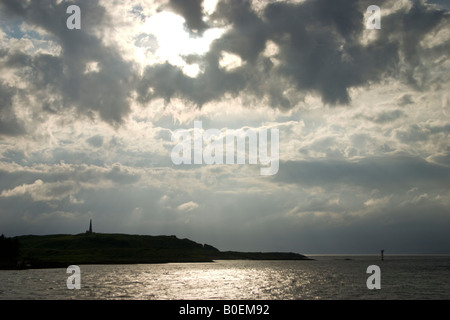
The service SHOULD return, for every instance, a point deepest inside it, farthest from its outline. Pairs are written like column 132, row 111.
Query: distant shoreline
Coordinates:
column 60, row 251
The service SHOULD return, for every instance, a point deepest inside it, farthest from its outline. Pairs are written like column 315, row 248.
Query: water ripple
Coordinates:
column 325, row 278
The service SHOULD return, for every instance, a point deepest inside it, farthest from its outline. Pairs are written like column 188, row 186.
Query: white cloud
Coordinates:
column 188, row 206
column 380, row 202
column 40, row 191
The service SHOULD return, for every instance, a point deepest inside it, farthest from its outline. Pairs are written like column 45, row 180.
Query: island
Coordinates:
column 57, row 251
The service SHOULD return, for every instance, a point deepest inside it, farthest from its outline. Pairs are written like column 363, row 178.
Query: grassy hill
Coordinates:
column 100, row 248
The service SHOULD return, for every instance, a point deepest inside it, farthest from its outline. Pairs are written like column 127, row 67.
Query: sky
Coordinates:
column 87, row 118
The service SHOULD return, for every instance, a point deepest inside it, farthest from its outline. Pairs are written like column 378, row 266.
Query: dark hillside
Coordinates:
column 100, row 248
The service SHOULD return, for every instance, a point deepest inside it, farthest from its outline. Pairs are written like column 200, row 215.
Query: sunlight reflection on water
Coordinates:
column 325, row 278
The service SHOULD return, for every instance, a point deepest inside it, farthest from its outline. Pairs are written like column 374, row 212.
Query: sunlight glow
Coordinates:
column 229, row 61
column 174, row 41
column 209, row 6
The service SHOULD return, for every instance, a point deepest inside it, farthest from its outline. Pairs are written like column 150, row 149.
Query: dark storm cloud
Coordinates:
column 105, row 91
column 407, row 29
column 383, row 173
column 320, row 51
column 402, row 229
column 249, row 33
column 167, row 81
column 192, row 11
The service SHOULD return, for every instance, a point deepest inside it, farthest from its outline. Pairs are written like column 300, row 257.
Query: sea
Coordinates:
column 327, row 277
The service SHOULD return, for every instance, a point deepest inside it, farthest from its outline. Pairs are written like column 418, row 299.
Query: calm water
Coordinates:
column 328, row 277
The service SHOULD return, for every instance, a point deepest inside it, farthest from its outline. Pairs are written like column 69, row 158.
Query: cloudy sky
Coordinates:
column 87, row 116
